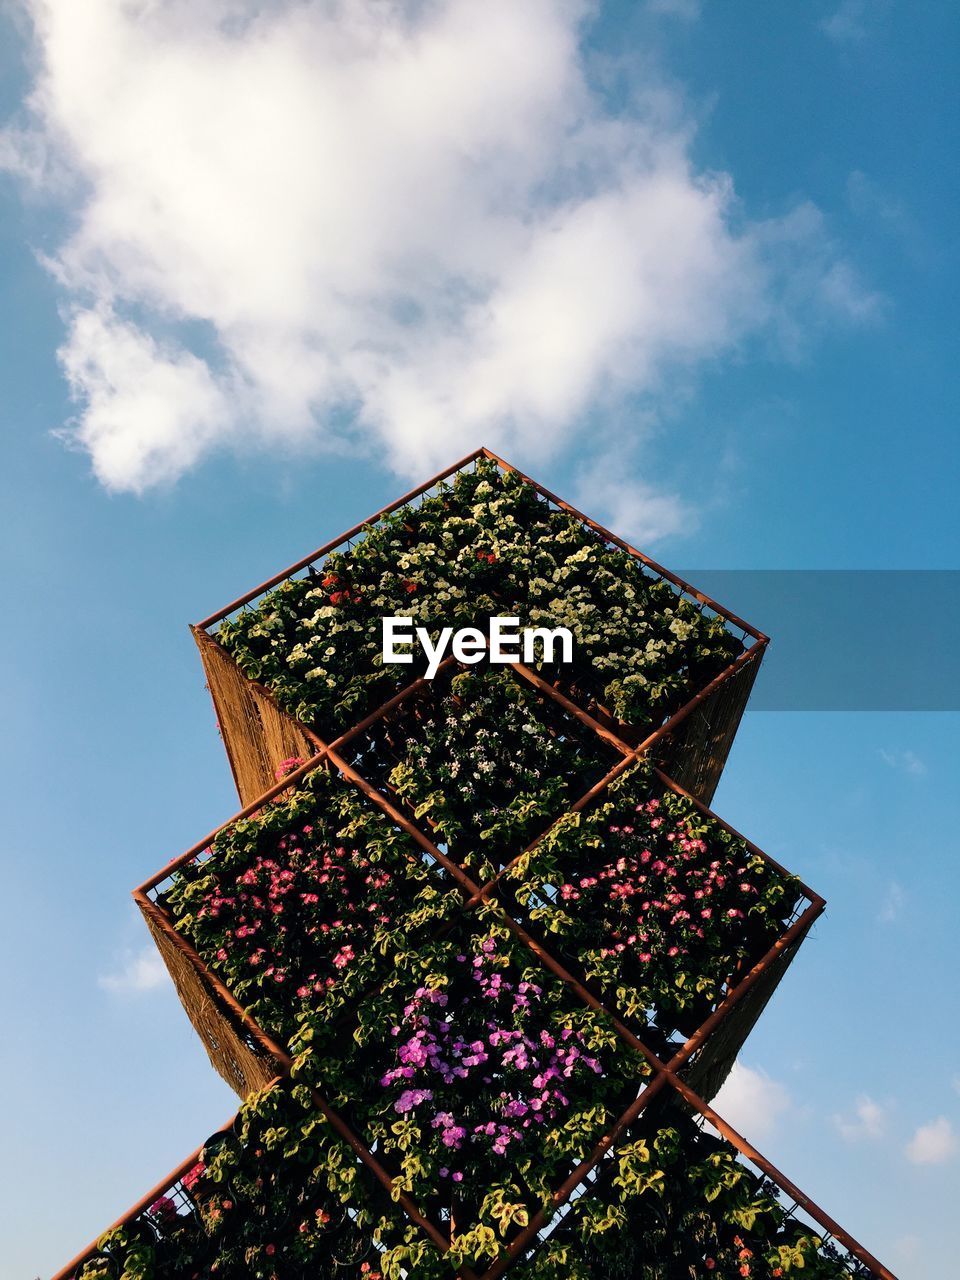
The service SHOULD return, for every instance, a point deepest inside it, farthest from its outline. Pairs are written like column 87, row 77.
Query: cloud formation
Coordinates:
column 868, row 1121
column 752, row 1102
column 408, row 228
column 139, row 971
column 853, row 20
column 892, row 904
column 904, row 762
column 933, row 1143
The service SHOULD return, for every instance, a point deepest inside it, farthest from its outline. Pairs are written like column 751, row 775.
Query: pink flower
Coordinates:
column 164, row 1208
column 287, row 766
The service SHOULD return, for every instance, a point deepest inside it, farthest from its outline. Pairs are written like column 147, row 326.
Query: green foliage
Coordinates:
column 282, row 1198
column 479, row 1081
column 484, row 545
column 657, row 904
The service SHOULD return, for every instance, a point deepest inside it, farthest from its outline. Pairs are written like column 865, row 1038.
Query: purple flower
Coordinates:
column 411, row 1098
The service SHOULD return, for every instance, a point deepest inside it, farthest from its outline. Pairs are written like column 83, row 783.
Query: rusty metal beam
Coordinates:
column 625, row 546
column 330, row 546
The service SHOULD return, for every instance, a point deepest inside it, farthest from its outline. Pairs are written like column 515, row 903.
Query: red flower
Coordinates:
column 164, row 1209
column 342, row 596
column 192, row 1176
column 409, row 587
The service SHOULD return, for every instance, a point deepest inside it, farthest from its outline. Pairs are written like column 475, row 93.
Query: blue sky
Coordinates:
column 765, row 198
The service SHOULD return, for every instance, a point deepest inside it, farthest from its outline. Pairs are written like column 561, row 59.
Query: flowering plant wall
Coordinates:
column 491, row 936
column 655, row 903
column 483, row 545
column 278, row 1196
column 478, row 1078
column 483, row 761
column 311, row 894
column 306, row 904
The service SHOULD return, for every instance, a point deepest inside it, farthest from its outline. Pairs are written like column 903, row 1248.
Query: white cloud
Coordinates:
column 868, row 1120
column 850, row 22
column 933, row 1143
column 634, row 510
column 904, row 762
column 138, row 971
column 751, row 1102
column 383, row 225
column 125, row 377
column 892, row 904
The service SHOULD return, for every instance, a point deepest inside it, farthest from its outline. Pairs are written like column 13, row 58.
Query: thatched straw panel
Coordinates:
column 243, row 1065
column 711, row 1066
column 698, row 748
column 257, row 735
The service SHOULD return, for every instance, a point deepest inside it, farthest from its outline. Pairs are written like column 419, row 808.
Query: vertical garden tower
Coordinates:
column 475, row 954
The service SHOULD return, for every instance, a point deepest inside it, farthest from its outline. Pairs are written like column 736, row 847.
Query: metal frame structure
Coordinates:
column 275, row 1060
column 564, row 1198
column 695, row 739
column 697, row 736
column 748, row 991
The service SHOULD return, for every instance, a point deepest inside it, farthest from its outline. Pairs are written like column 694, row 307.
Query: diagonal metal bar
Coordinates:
column 329, row 546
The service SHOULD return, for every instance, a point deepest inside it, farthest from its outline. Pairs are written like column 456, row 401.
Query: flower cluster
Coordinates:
column 474, row 1069
column 484, row 760
column 526, row 1075
column 303, row 900
column 486, row 544
column 654, row 901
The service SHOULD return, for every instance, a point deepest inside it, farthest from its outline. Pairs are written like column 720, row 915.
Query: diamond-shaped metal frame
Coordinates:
column 683, row 725
column 275, row 1058
column 795, row 1202
column 474, row 890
